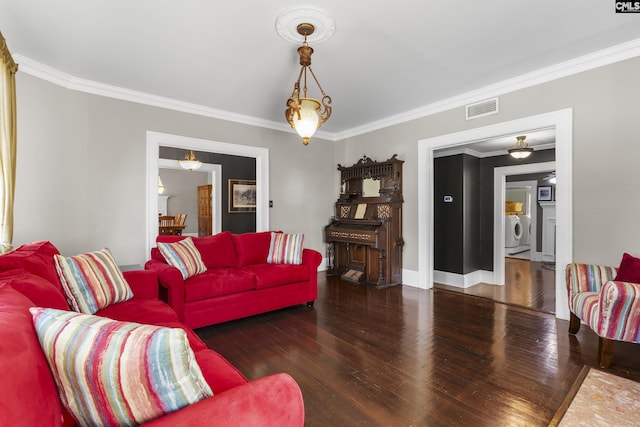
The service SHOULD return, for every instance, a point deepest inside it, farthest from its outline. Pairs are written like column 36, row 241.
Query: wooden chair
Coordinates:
column 180, row 219
column 165, row 225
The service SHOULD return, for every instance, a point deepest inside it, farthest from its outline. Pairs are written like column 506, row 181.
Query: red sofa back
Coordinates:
column 36, row 258
column 28, row 394
column 225, row 249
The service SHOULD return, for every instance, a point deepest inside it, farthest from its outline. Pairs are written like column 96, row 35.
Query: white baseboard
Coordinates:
column 547, row 258
column 462, row 280
column 411, row 278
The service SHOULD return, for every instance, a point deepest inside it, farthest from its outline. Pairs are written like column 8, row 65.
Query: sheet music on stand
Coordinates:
column 360, row 211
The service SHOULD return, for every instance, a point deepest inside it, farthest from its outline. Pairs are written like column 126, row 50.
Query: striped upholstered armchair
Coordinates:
column 610, row 307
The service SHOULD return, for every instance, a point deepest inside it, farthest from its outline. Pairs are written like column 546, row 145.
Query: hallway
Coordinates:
column 528, row 284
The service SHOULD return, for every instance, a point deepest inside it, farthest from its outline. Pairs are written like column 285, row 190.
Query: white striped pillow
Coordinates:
column 184, row 256
column 118, row 373
column 285, row 248
column 92, row 281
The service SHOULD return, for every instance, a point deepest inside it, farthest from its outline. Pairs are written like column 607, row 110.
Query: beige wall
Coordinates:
column 81, row 174
column 606, row 152
column 81, row 170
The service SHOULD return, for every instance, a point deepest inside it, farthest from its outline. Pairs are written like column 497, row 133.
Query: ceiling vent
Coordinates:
column 482, row 108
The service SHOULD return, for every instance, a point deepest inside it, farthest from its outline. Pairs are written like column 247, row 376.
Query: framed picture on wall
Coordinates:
column 242, row 195
column 544, row 193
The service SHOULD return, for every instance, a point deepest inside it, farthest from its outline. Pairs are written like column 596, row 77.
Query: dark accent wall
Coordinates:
column 471, row 214
column 447, row 217
column 463, row 229
column 233, row 167
column 456, row 223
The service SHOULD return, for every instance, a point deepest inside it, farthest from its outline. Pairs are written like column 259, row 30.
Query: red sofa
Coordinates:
column 28, row 395
column 238, row 282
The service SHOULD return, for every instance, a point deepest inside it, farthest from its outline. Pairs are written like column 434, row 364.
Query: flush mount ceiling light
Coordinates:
column 304, row 113
column 190, row 162
column 551, row 177
column 521, row 150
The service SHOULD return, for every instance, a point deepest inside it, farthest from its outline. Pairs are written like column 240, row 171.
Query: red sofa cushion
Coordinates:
column 40, row 291
column 36, row 258
column 252, row 248
column 217, row 251
column 150, row 312
column 219, row 373
column 216, row 282
column 28, row 395
column 270, row 275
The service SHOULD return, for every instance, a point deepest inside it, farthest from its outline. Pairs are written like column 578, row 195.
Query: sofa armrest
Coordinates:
column 311, row 258
column 619, row 305
column 587, row 277
column 171, row 285
column 143, row 283
column 275, row 400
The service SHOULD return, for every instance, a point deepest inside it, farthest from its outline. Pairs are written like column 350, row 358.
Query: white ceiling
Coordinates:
column 385, row 59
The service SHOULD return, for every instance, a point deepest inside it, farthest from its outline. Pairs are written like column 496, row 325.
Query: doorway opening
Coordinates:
column 156, row 139
column 214, row 177
column 561, row 121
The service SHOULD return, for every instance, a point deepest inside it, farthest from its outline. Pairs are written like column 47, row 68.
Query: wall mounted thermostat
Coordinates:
column 448, row 199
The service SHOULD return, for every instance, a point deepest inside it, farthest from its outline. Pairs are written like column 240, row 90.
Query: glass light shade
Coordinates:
column 160, row 186
column 190, row 164
column 307, row 124
column 520, row 153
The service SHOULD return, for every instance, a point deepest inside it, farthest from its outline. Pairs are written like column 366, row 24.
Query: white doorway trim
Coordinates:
column 562, row 121
column 157, row 139
column 533, row 213
column 216, row 181
column 499, row 185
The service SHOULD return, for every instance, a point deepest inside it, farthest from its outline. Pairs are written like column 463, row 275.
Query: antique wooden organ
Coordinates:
column 364, row 238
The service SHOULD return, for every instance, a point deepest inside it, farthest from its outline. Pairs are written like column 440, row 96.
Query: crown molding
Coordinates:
column 481, row 155
column 57, row 77
column 587, row 62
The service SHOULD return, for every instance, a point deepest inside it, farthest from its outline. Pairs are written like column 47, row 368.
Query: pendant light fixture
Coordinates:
column 521, row 150
column 160, row 186
column 190, row 162
column 306, row 114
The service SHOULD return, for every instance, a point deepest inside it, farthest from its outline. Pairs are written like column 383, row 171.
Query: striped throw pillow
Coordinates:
column 285, row 248
column 92, row 281
column 118, row 373
column 184, row 256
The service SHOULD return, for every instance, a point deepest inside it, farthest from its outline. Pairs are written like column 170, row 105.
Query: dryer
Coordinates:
column 525, row 223
column 512, row 231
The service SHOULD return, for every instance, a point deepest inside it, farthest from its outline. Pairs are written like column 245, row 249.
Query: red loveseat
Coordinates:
column 238, row 282
column 28, row 394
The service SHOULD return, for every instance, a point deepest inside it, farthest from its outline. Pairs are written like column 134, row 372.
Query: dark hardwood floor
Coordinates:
column 403, row 356
column 528, row 284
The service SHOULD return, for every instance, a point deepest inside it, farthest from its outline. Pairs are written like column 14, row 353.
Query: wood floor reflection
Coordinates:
column 527, row 283
column 404, row 356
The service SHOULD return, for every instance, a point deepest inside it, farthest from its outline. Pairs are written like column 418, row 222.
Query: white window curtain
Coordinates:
column 8, row 136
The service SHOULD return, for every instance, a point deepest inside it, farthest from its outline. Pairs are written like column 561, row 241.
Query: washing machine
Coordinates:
column 525, row 223
column 512, row 231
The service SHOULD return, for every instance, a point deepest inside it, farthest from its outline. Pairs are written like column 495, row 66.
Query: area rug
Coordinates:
column 600, row 399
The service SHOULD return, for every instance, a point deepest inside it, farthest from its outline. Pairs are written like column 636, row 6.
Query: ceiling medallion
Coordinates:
column 288, row 21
